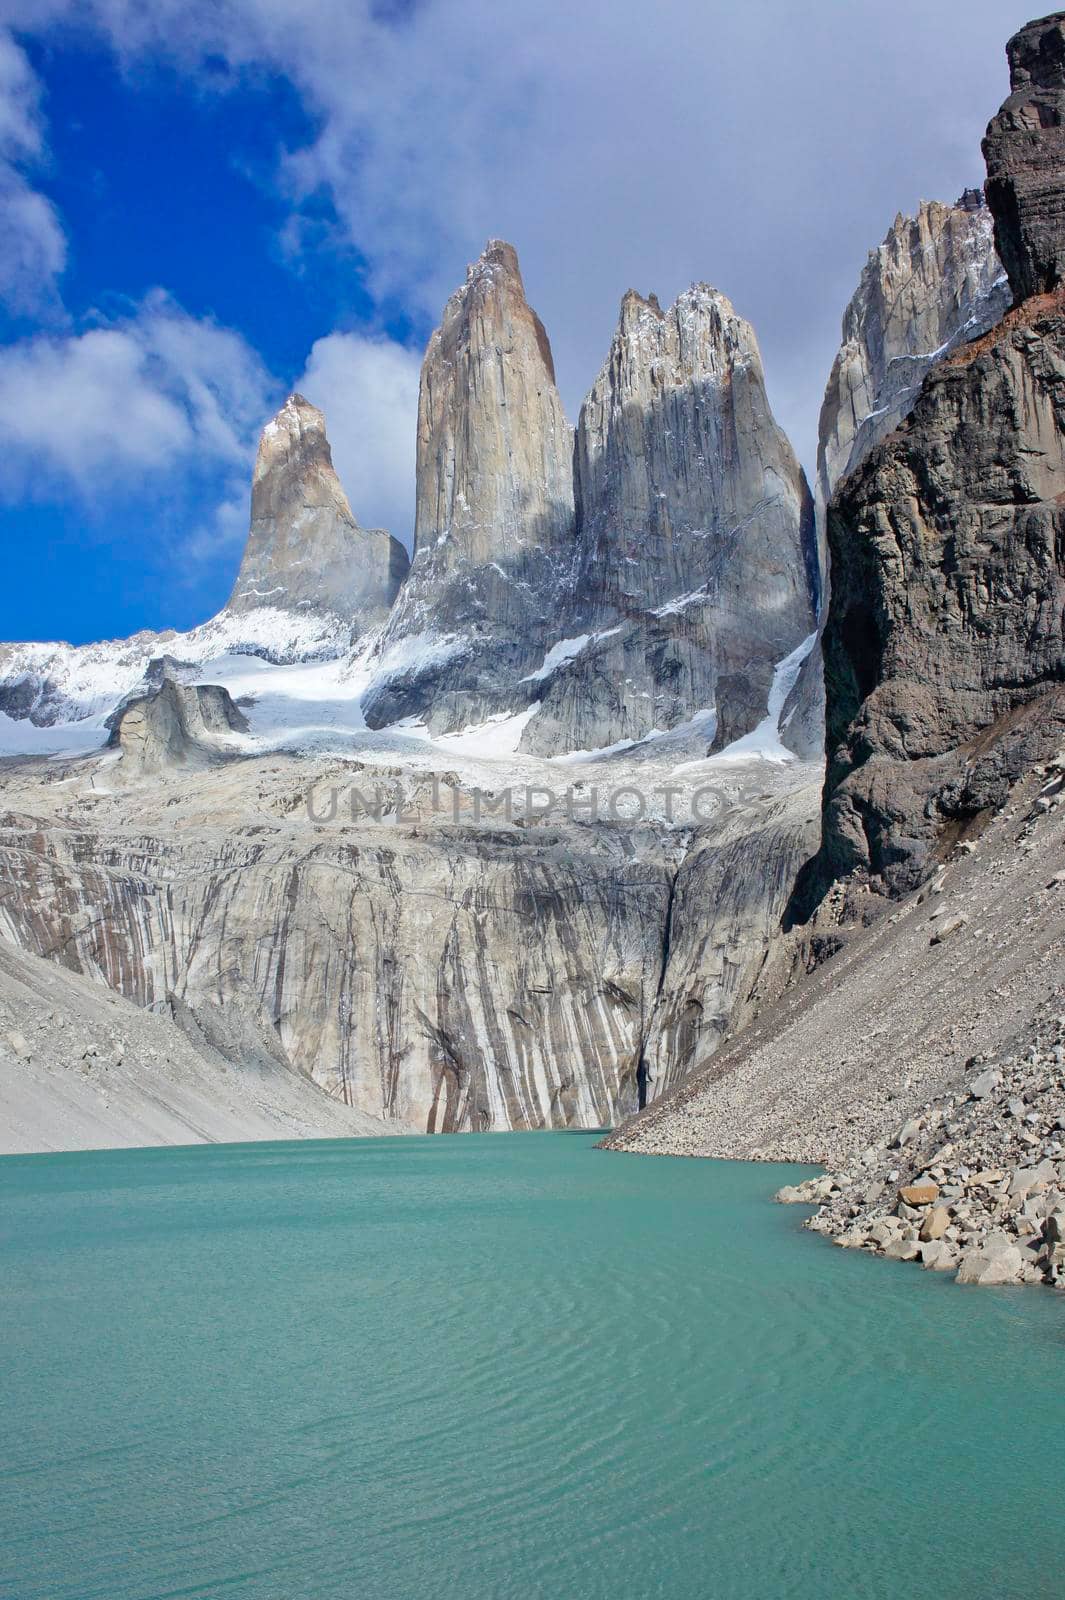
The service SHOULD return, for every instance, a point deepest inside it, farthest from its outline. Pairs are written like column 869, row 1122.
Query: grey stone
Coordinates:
column 1025, row 154
column 935, row 282
column 991, row 1265
column 177, row 725
column 305, row 550
column 902, row 1249
column 650, row 552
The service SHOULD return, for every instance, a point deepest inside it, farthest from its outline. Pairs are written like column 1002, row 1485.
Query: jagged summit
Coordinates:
column 662, row 567
column 695, row 530
column 305, row 550
column 494, row 522
column 496, row 272
column 934, row 282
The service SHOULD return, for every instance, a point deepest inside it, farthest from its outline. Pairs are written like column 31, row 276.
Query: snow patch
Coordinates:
column 565, row 650
column 764, row 742
column 76, row 683
column 418, row 654
column 497, row 736
column 681, row 602
column 65, row 739
column 657, row 743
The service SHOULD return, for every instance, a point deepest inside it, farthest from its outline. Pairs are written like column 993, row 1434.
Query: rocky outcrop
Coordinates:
column 311, row 582
column 178, row 725
column 695, row 572
column 1025, row 154
column 944, row 641
column 944, row 645
column 305, row 550
column 494, row 520
column 933, row 284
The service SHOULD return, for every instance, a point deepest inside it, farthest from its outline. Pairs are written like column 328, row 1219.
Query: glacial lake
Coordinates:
column 500, row 1368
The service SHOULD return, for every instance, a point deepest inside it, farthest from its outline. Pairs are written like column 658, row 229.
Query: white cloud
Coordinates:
column 148, row 394
column 368, row 389
column 765, row 147
column 33, row 248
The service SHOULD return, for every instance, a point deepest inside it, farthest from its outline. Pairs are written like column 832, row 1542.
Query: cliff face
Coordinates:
column 305, row 550
column 934, row 283
column 1025, row 154
column 676, row 448
column 944, row 649
column 446, row 974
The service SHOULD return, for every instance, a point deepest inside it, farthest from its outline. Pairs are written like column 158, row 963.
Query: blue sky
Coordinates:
column 210, row 204
column 160, row 180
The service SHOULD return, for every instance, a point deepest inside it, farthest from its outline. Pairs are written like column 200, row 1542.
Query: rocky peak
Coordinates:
column 1025, row 154
column 305, row 550
column 674, row 440
column 933, row 283
column 494, row 447
column 945, row 637
column 693, row 580
column 494, row 525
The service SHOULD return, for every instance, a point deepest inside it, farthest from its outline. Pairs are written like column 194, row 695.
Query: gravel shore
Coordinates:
column 869, row 1065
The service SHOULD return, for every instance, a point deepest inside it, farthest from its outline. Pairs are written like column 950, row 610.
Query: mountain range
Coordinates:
column 520, row 831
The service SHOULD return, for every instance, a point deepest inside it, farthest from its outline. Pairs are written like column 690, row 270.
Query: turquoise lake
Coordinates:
column 500, row 1366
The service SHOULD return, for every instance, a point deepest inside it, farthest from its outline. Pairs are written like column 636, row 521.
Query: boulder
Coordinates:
column 1027, row 1179
column 935, row 1223
column 990, row 1265
column 901, row 1249
column 919, row 1194
column 1055, row 1228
